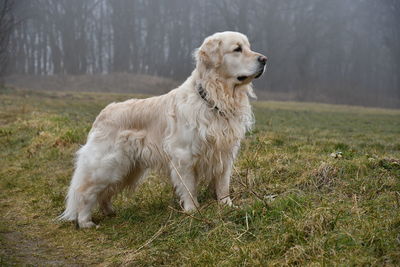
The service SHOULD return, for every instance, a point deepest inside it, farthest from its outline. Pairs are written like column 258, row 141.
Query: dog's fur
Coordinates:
column 192, row 132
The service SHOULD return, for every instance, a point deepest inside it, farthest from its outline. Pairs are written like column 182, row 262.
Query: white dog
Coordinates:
column 192, row 132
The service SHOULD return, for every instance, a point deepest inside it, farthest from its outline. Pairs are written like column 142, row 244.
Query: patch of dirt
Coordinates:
column 22, row 250
column 18, row 247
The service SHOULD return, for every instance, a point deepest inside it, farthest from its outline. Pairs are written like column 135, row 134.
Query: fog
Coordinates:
column 336, row 51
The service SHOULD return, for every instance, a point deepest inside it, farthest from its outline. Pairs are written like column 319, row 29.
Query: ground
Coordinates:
column 314, row 184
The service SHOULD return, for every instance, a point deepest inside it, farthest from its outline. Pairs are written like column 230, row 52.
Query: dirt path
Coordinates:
column 20, row 249
column 20, row 241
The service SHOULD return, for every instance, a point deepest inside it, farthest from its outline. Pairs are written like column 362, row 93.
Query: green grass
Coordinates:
column 297, row 204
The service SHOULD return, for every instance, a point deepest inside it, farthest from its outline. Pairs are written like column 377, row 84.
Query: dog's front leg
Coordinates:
column 221, row 182
column 185, row 184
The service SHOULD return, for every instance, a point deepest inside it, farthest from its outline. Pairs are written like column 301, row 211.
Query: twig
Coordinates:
column 247, row 222
column 250, row 190
column 397, row 194
column 356, row 206
column 192, row 216
column 151, row 239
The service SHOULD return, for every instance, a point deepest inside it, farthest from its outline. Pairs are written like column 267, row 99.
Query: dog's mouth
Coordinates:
column 242, row 78
column 255, row 76
column 258, row 75
column 260, row 72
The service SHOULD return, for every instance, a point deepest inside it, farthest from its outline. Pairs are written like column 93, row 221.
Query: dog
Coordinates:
column 191, row 133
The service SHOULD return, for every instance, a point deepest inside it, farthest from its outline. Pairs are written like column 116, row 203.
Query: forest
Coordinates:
column 342, row 51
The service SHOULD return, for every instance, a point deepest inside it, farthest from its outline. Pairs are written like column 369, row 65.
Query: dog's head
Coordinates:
column 229, row 55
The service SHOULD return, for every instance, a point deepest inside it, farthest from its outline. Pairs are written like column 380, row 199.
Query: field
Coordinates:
column 315, row 184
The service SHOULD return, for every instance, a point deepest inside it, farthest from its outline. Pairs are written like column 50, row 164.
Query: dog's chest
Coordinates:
column 214, row 136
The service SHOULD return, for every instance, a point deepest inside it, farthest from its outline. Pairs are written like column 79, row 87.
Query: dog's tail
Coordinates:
column 73, row 200
column 72, row 203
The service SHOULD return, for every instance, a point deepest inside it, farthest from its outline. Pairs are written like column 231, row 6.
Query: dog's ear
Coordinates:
column 209, row 54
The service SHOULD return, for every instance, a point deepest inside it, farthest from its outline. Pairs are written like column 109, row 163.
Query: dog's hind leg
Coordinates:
column 104, row 200
column 131, row 181
column 134, row 177
column 96, row 170
column 90, row 194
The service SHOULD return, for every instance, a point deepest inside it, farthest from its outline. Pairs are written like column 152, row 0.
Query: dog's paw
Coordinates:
column 189, row 206
column 227, row 201
column 109, row 213
column 88, row 224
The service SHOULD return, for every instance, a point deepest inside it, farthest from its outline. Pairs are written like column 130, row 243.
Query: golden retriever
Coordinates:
column 191, row 133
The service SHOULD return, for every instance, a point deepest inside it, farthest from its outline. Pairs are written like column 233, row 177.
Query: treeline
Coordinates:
column 342, row 51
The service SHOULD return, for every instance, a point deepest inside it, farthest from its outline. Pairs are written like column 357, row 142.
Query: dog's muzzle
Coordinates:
column 260, row 72
column 263, row 61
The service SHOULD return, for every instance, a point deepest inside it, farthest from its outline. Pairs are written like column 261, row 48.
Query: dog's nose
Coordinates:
column 262, row 60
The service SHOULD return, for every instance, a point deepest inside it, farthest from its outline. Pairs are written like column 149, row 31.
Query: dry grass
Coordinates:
column 115, row 82
column 297, row 204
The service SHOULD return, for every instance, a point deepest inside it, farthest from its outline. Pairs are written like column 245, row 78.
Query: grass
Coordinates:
column 298, row 205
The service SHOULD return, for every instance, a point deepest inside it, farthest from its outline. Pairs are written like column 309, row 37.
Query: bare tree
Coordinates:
column 7, row 23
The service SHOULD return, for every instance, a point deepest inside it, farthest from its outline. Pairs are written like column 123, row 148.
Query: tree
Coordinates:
column 7, row 24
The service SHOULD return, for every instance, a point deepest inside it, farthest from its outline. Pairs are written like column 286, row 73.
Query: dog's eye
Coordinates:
column 238, row 49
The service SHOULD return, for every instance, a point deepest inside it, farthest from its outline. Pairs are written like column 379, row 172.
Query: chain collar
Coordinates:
column 203, row 95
